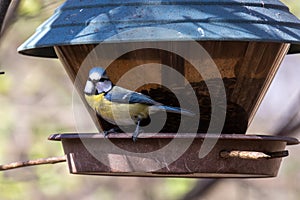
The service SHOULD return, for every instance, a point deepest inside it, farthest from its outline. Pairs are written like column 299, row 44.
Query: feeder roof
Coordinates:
column 95, row 21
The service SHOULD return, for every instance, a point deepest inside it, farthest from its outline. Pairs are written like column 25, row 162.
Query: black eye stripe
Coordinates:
column 95, row 81
column 103, row 79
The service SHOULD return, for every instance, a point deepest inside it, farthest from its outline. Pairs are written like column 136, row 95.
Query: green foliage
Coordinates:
column 30, row 7
column 177, row 187
column 172, row 188
column 294, row 6
column 12, row 190
column 5, row 84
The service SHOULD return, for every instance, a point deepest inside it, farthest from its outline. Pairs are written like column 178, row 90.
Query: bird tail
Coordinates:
column 172, row 110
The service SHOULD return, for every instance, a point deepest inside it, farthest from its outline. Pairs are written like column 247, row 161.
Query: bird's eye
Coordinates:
column 93, row 81
column 103, row 79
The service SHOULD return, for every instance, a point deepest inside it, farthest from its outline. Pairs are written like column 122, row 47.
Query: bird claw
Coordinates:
column 136, row 134
column 134, row 138
column 117, row 130
column 112, row 130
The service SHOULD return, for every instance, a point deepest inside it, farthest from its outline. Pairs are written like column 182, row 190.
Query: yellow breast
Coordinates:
column 117, row 113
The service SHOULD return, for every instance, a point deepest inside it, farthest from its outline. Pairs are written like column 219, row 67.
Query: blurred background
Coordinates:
column 36, row 101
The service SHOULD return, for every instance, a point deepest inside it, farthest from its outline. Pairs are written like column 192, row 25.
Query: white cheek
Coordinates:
column 95, row 76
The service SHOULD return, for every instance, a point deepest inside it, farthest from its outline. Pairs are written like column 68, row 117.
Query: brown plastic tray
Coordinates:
column 233, row 155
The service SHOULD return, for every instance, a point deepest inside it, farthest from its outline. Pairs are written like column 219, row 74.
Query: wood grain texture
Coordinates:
column 247, row 69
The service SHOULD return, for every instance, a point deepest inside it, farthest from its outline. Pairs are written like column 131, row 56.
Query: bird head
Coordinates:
column 98, row 82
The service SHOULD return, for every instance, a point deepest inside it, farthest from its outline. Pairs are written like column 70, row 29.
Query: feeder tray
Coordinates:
column 233, row 156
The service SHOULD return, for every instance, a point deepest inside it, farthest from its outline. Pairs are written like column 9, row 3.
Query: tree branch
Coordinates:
column 4, row 5
column 41, row 161
column 7, row 14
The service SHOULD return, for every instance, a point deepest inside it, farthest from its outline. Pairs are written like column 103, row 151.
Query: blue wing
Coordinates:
column 173, row 110
column 122, row 95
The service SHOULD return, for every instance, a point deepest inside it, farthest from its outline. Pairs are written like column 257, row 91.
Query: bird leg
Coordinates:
column 112, row 130
column 137, row 131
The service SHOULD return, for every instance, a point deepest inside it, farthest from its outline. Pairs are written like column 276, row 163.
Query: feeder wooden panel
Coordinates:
column 247, row 69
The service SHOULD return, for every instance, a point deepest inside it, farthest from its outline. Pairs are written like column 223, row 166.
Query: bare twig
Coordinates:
column 10, row 16
column 4, row 5
column 7, row 14
column 41, row 161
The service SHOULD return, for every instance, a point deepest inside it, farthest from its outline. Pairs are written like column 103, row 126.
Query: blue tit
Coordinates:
column 120, row 106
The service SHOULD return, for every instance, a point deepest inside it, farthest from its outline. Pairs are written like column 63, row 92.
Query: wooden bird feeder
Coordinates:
column 244, row 41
